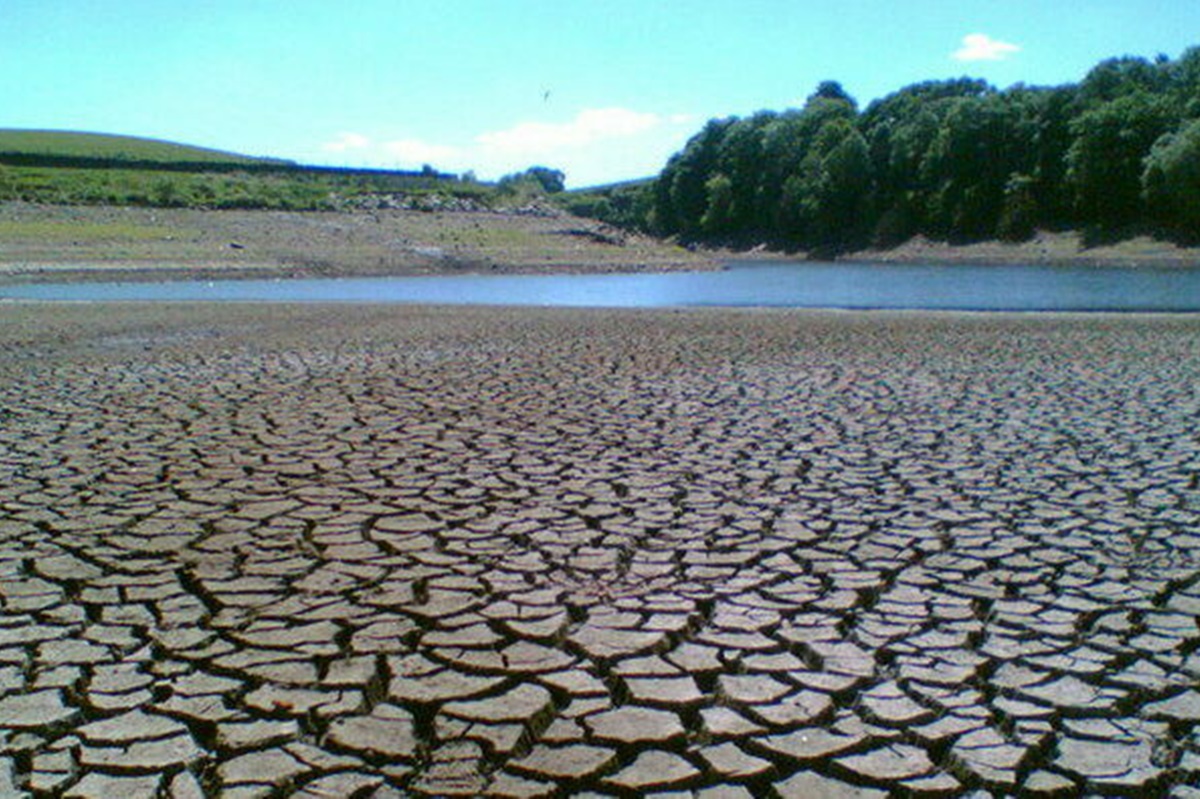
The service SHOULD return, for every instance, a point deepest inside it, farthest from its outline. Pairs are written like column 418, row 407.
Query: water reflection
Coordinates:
column 798, row 285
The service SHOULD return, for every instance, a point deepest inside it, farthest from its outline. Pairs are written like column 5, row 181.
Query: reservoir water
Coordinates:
column 793, row 285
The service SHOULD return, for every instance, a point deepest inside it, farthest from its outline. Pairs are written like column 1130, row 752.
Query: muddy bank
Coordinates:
column 1050, row 248
column 105, row 243
column 57, row 243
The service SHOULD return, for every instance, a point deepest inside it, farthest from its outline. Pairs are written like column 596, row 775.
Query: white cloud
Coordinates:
column 597, row 145
column 417, row 152
column 346, row 141
column 589, row 126
column 981, row 47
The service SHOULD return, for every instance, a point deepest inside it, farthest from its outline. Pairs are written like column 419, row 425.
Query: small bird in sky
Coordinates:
column 546, row 96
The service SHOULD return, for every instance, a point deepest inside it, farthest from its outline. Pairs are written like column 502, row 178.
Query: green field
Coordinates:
column 73, row 144
column 66, row 168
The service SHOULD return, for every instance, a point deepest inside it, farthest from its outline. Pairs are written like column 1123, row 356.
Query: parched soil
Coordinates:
column 389, row 551
column 40, row 243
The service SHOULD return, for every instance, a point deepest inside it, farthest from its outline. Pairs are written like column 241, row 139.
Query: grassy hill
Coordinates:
column 75, row 168
column 72, row 144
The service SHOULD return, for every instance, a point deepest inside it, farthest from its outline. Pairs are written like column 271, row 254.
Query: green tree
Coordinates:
column 981, row 142
column 552, row 181
column 740, row 158
column 718, row 217
column 535, row 180
column 1105, row 162
column 953, row 159
column 1019, row 213
column 832, row 90
column 825, row 199
column 681, row 192
column 1114, row 78
column 1171, row 180
column 788, row 184
column 902, row 130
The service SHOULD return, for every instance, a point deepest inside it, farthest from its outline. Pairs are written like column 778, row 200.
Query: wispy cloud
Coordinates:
column 590, row 147
column 346, row 141
column 588, row 127
column 414, row 151
column 981, row 47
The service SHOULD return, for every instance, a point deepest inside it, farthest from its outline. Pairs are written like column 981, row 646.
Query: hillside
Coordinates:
column 72, row 144
column 69, row 168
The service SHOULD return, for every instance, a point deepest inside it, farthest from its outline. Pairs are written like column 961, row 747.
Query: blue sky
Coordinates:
column 603, row 89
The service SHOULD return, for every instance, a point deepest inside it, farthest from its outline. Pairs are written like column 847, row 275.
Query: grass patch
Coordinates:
column 60, row 231
column 142, row 187
column 108, row 146
column 62, row 168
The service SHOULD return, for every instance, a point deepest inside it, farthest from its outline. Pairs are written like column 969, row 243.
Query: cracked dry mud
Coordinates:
column 346, row 551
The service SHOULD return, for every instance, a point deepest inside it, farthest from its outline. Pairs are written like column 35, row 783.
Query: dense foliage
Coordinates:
column 954, row 160
column 537, row 180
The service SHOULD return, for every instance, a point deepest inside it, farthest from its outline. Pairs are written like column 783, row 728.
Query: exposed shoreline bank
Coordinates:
column 1046, row 248
column 77, row 244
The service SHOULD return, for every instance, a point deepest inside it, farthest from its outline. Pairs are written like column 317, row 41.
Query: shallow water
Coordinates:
column 795, row 285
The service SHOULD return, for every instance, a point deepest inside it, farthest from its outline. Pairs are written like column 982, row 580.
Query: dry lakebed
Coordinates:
column 268, row 550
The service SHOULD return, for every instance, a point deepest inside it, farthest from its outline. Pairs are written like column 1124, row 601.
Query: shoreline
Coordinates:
column 40, row 244
column 1046, row 248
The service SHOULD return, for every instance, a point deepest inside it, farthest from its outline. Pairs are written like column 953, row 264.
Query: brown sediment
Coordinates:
column 63, row 243
column 511, row 552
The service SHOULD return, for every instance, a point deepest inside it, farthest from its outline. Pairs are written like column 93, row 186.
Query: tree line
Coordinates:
column 953, row 160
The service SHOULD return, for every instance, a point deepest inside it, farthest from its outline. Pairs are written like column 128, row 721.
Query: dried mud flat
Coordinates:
column 389, row 551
